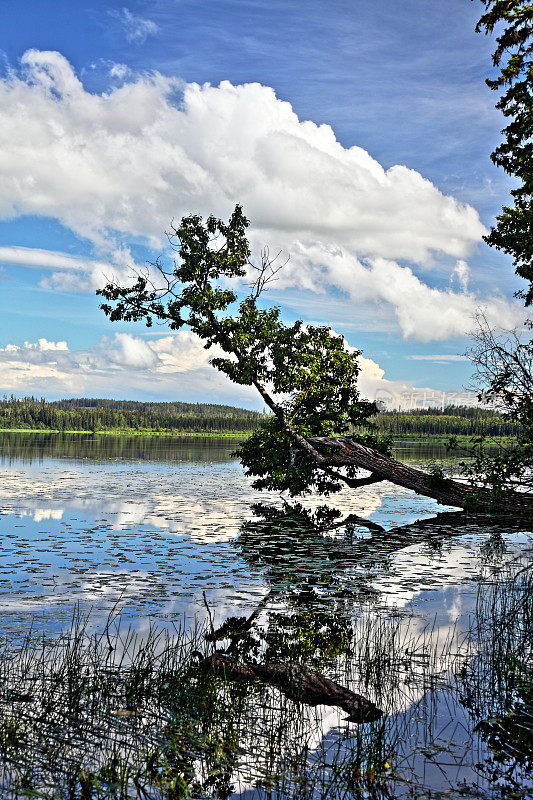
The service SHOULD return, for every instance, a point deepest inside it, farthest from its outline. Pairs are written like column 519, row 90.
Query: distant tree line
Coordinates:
column 102, row 414
column 93, row 414
column 451, row 421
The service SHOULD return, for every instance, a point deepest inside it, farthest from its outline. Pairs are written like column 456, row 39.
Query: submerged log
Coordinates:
column 298, row 683
column 342, row 452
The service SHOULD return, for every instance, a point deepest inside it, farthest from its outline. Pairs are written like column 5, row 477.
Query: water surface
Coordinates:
column 145, row 526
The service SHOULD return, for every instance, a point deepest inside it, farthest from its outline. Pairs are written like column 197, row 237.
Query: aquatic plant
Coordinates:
column 496, row 682
column 125, row 714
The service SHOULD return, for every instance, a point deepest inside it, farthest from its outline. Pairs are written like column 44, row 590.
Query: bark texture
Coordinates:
column 299, row 683
column 341, row 452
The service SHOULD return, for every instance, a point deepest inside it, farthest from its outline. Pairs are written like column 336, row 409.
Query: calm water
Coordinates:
column 143, row 527
column 152, row 523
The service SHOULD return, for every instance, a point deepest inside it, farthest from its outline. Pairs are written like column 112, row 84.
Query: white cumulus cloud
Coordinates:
column 41, row 345
column 422, row 312
column 131, row 351
column 119, row 165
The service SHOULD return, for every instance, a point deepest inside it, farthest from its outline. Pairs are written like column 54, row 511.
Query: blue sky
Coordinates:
column 110, row 131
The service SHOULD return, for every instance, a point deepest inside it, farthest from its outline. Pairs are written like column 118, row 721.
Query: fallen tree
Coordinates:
column 342, row 452
column 298, row 683
column 306, row 375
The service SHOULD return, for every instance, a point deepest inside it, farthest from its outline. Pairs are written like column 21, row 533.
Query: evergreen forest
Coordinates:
column 94, row 414
column 98, row 414
column 450, row 421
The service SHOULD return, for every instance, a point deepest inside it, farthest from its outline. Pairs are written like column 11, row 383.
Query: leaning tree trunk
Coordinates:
column 343, row 452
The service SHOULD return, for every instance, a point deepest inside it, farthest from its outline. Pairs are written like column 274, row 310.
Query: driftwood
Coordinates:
column 298, row 683
column 342, row 452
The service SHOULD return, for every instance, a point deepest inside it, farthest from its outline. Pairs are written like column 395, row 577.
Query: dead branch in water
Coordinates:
column 298, row 683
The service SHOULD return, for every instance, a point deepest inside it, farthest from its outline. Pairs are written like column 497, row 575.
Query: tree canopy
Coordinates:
column 503, row 360
column 513, row 231
column 305, row 374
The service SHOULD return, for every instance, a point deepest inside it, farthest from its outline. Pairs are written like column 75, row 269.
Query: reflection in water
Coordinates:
column 148, row 717
column 384, row 610
column 154, row 533
column 30, row 447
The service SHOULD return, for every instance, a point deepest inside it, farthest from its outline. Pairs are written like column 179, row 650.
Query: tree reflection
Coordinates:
column 102, row 716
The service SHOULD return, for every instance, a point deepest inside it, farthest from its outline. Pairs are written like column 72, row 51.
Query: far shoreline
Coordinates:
column 133, row 432
column 407, row 438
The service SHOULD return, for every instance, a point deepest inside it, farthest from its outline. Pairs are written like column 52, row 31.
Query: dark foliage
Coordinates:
column 513, row 232
column 89, row 414
column 503, row 361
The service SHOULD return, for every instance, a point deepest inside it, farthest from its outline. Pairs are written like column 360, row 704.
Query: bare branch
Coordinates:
column 503, row 362
column 267, row 272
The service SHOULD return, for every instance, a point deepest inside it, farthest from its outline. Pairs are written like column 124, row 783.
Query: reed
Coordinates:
column 119, row 714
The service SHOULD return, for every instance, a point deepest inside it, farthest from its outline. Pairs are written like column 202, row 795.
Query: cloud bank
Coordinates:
column 124, row 160
column 175, row 366
column 117, row 166
column 122, row 366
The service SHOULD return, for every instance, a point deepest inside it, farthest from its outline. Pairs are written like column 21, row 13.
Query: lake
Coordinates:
column 168, row 534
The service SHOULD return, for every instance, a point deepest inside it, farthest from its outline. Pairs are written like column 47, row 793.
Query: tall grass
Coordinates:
column 119, row 714
column 496, row 681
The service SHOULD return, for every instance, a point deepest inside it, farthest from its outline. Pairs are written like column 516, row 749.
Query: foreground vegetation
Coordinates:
column 115, row 714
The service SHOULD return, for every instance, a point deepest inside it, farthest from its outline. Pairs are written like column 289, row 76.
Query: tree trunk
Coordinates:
column 298, row 683
column 343, row 452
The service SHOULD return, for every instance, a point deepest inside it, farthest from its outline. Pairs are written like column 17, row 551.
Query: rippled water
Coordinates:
column 146, row 526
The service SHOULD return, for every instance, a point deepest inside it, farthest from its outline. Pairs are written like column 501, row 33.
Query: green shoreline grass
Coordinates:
column 405, row 437
column 444, row 438
column 134, row 432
